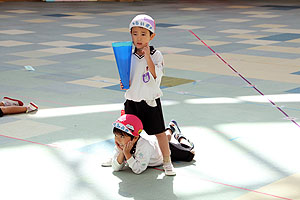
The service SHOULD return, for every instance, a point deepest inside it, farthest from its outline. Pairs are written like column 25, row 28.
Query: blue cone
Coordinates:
column 123, row 51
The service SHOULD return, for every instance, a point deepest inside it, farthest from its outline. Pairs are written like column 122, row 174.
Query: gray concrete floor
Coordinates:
column 245, row 147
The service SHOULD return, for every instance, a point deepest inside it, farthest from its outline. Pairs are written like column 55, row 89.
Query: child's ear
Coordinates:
column 135, row 138
column 152, row 36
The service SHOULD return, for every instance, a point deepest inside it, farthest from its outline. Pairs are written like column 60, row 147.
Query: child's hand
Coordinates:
column 146, row 50
column 122, row 86
column 119, row 147
column 127, row 148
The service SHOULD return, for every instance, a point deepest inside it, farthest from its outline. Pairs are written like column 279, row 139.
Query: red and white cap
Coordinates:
column 144, row 21
column 130, row 124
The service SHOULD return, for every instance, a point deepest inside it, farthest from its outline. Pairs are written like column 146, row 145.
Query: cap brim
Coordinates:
column 122, row 127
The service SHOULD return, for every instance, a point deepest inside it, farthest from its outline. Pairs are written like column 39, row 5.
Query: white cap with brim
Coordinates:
column 144, row 21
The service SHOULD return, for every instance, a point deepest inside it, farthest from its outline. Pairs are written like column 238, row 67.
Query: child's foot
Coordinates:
column 174, row 127
column 32, row 107
column 179, row 136
column 12, row 102
column 169, row 169
column 107, row 163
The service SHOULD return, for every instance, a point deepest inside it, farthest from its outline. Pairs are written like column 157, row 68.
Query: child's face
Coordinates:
column 141, row 37
column 121, row 140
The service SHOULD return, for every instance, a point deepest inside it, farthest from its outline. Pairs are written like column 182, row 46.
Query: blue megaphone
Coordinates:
column 123, row 51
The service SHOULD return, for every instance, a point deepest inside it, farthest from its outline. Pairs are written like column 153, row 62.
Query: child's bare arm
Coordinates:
column 121, row 156
column 118, row 159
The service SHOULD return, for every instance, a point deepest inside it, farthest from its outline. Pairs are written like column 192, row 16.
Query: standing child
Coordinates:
column 139, row 152
column 143, row 96
column 15, row 106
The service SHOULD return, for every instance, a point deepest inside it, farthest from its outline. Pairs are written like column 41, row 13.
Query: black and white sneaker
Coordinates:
column 177, row 133
column 174, row 127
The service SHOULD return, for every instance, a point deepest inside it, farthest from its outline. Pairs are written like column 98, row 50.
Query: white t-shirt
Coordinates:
column 143, row 86
column 147, row 153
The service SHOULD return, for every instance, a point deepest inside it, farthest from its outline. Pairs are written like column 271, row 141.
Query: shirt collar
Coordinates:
column 152, row 51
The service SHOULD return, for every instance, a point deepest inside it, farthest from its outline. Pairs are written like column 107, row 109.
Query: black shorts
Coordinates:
column 1, row 113
column 180, row 153
column 151, row 117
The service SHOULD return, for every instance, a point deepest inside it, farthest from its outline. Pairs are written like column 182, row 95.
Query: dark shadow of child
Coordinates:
column 151, row 184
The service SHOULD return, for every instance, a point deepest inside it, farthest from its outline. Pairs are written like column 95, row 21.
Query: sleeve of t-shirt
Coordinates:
column 115, row 165
column 140, row 162
column 158, row 61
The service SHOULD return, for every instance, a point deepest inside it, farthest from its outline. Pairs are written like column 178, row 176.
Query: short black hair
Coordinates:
column 120, row 132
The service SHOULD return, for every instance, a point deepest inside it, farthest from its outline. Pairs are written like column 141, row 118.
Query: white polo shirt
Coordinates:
column 143, row 86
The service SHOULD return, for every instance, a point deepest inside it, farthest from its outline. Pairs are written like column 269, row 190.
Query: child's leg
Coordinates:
column 19, row 109
column 13, row 109
column 181, row 153
column 185, row 142
column 163, row 143
column 169, row 134
column 1, row 113
column 184, row 149
column 173, row 126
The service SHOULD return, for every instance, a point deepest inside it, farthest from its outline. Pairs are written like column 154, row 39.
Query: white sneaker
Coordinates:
column 12, row 102
column 32, row 107
column 169, row 169
column 107, row 163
